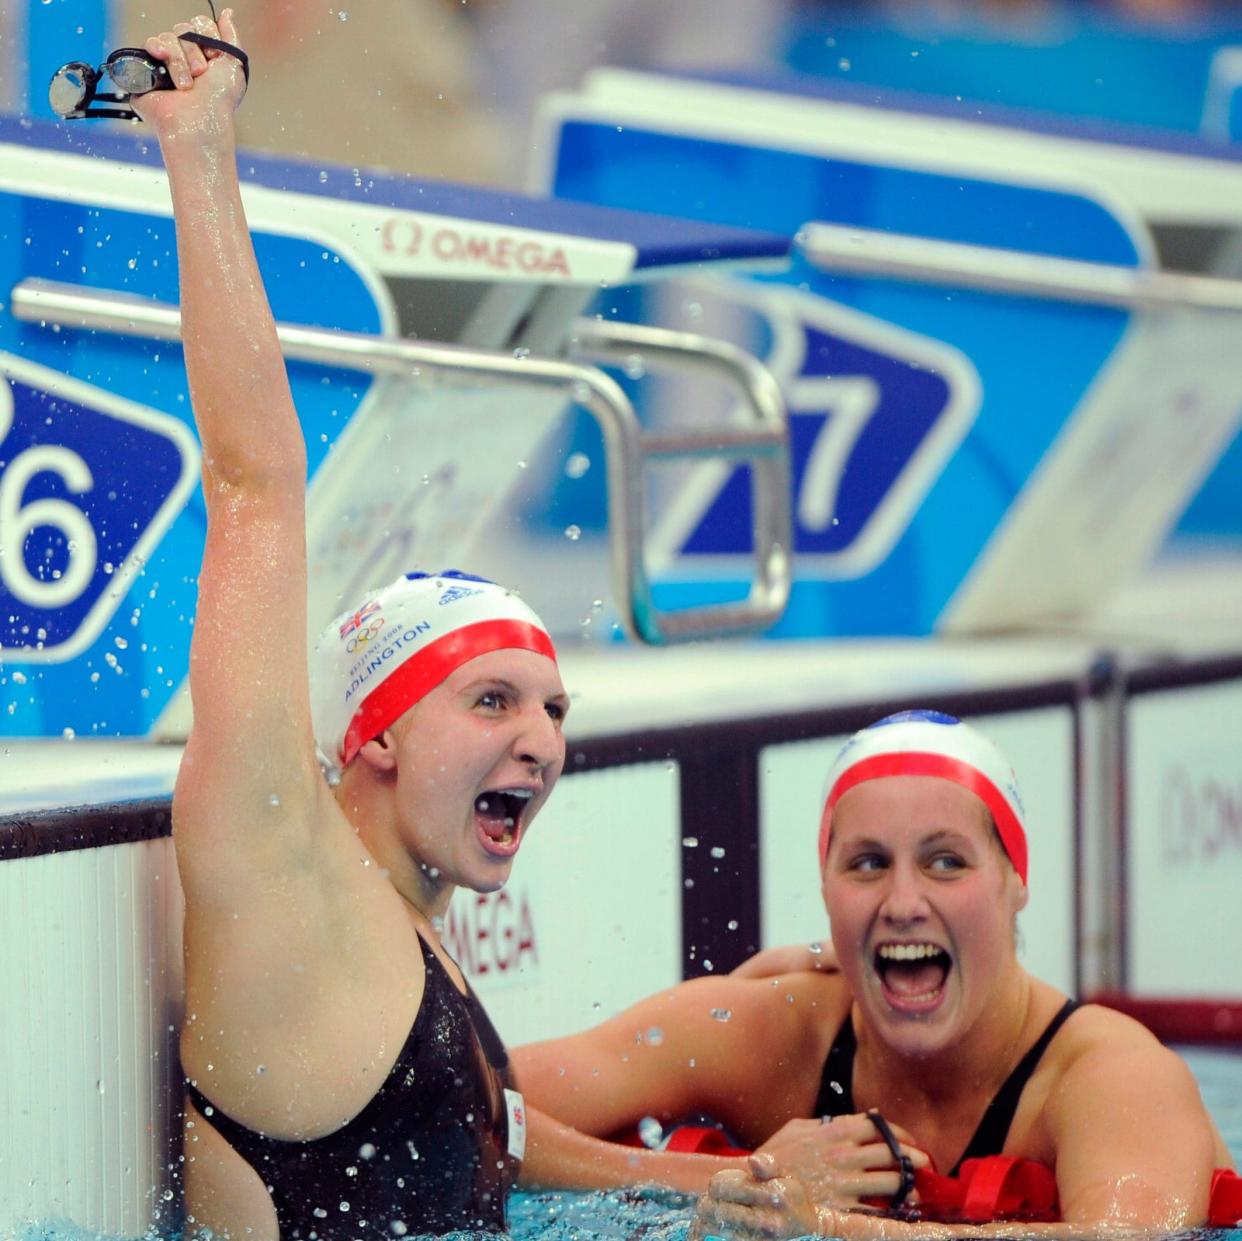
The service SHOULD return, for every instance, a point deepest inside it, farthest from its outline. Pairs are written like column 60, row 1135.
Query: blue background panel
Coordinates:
column 1034, row 360
column 119, row 685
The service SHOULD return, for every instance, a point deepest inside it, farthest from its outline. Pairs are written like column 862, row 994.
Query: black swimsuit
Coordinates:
column 836, row 1087
column 427, row 1154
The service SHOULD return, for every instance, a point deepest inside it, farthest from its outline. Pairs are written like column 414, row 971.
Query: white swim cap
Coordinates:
column 930, row 743
column 371, row 665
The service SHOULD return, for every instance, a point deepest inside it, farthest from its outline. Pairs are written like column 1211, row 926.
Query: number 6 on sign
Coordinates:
column 88, row 484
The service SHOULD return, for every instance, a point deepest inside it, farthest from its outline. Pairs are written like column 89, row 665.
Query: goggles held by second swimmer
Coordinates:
column 74, row 92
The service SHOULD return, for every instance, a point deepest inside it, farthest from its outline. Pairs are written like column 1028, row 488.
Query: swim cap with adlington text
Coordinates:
column 371, row 665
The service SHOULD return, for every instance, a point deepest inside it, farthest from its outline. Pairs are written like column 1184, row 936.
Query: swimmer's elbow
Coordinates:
column 254, row 469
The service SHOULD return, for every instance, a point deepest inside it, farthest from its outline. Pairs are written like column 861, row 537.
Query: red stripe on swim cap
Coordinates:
column 919, row 763
column 429, row 666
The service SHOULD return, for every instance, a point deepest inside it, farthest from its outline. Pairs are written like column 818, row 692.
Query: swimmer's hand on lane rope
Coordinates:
column 736, row 1206
column 196, row 92
column 844, row 1162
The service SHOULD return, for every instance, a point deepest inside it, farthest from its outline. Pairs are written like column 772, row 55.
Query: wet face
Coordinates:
column 922, row 902
column 476, row 759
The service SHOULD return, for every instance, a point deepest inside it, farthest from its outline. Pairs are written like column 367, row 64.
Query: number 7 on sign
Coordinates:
column 850, row 401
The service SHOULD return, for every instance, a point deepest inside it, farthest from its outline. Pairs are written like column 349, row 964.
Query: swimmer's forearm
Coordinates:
column 558, row 1157
column 859, row 1226
column 238, row 385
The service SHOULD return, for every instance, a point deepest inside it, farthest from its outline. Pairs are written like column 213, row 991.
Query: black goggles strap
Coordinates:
column 219, row 45
column 904, row 1164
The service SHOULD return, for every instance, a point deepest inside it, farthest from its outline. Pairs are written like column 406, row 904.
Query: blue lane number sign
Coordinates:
column 88, row 485
column 875, row 412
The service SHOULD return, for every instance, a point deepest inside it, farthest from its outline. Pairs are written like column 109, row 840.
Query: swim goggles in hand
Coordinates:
column 74, row 90
column 899, row 1204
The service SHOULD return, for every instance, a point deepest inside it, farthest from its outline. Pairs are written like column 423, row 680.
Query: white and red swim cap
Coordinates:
column 930, row 743
column 371, row 665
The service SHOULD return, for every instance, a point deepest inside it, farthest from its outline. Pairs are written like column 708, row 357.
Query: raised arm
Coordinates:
column 250, row 752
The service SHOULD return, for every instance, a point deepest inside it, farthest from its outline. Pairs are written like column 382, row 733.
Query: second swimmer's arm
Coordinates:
column 558, row 1157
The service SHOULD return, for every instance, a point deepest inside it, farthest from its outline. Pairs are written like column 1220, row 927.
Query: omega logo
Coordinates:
column 496, row 252
column 1201, row 816
column 491, row 933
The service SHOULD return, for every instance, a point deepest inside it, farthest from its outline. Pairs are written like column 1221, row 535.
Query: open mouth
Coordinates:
column 499, row 815
column 913, row 975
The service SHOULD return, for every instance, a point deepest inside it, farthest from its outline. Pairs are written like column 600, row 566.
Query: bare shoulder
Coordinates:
column 1096, row 1029
column 1101, row 1051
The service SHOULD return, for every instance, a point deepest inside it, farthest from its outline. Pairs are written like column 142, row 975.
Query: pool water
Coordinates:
column 1219, row 1074
column 627, row 1215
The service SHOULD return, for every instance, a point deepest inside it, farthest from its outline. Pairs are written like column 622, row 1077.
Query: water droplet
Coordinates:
column 343, row 16
column 844, row 64
column 689, row 842
column 655, row 1036
column 722, row 1014
column 521, row 352
column 323, row 177
column 68, row 734
column 260, row 1069
column 577, row 465
column 274, row 799
column 366, row 1151
column 130, row 263
column 398, row 1228
column 573, row 533
column 815, row 949
column 19, row 678
column 120, row 643
column 635, row 367
column 694, row 311
column 650, row 1133
column 731, row 925
column 717, row 851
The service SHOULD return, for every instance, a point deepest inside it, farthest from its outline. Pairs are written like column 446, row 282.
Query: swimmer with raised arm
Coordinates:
column 869, row 1089
column 342, row 1080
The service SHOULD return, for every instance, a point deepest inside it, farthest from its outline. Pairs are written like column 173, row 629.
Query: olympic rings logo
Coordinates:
column 363, row 636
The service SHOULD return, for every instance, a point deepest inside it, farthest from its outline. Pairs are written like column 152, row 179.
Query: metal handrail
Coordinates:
column 838, row 250
column 763, row 442
column 47, row 302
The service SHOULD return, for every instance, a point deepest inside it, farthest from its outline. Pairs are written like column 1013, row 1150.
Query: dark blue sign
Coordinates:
column 853, row 437
column 88, row 483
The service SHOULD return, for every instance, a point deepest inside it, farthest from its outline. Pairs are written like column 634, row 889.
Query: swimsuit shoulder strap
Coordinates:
column 836, row 1083
column 989, row 1137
